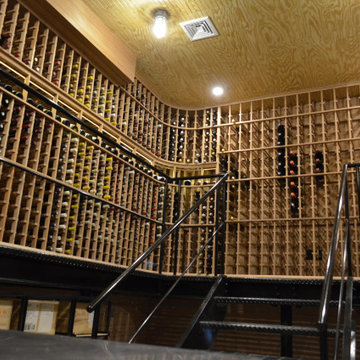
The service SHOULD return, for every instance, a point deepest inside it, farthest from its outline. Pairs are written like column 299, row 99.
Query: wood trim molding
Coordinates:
column 80, row 27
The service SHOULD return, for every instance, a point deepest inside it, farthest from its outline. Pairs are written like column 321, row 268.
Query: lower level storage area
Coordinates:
column 55, row 295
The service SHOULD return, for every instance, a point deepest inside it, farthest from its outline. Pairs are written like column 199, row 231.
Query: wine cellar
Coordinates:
column 94, row 171
column 279, row 215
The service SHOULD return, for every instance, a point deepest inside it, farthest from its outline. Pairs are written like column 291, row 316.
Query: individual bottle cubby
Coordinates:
column 198, row 152
column 9, row 24
column 319, row 163
column 293, row 171
column 172, row 139
column 180, row 140
column 206, row 146
column 281, row 151
column 40, row 49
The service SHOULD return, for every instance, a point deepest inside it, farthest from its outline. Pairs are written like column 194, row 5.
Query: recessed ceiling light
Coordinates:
column 217, row 91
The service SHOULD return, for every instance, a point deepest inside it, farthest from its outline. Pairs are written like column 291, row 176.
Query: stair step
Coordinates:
column 265, row 328
column 269, row 301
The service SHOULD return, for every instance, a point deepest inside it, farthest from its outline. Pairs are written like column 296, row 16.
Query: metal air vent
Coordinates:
column 198, row 29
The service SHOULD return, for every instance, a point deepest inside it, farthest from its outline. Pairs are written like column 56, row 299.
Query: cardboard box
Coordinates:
column 83, row 320
column 41, row 316
column 6, row 308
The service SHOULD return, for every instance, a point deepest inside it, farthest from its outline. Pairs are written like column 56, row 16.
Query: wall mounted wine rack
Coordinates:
column 284, row 155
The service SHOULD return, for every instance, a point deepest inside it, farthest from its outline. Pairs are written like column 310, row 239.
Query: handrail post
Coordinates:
column 326, row 289
column 163, row 225
column 216, row 242
column 341, row 291
column 323, row 342
column 358, row 190
column 220, row 239
column 348, row 244
column 346, row 348
column 327, row 285
column 176, row 240
column 223, row 231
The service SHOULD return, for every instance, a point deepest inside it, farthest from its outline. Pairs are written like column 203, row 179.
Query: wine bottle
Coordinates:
column 293, row 162
column 3, row 115
column 281, row 135
column 5, row 101
column 319, row 163
column 294, row 205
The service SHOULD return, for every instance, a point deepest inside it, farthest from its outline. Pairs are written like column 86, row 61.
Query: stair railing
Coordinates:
column 62, row 184
column 106, row 139
column 110, row 288
column 218, row 229
column 219, row 211
column 348, row 331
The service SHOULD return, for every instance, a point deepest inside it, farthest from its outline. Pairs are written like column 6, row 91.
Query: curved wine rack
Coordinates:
column 284, row 154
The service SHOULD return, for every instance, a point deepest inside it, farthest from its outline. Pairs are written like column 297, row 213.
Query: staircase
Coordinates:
column 211, row 315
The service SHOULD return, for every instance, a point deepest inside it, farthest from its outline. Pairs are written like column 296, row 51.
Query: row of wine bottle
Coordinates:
column 293, row 157
column 136, row 112
column 77, row 156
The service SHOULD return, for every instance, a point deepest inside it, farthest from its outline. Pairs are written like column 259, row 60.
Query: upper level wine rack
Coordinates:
column 284, row 155
column 68, row 189
column 159, row 129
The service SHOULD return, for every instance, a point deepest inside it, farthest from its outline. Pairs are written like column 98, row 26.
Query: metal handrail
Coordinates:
column 219, row 228
column 158, row 242
column 326, row 290
column 211, row 176
column 68, row 114
column 99, row 134
column 346, row 260
column 72, row 188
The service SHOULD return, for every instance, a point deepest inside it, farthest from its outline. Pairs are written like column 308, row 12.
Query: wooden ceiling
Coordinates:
column 264, row 47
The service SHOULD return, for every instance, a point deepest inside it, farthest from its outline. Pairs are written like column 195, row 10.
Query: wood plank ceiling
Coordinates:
column 264, row 47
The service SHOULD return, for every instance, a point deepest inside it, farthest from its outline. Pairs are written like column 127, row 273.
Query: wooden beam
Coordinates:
column 80, row 27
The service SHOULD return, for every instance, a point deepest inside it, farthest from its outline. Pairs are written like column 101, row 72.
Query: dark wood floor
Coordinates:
column 20, row 346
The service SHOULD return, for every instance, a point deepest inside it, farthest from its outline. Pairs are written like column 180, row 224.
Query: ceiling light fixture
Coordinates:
column 160, row 26
column 217, row 91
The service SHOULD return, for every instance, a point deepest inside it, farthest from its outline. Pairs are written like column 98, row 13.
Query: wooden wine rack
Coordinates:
column 284, row 155
column 280, row 220
column 109, row 225
column 133, row 110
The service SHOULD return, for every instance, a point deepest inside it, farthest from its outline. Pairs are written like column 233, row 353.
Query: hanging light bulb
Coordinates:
column 160, row 26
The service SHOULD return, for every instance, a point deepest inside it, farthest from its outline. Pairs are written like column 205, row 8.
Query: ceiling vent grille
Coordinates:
column 198, row 29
